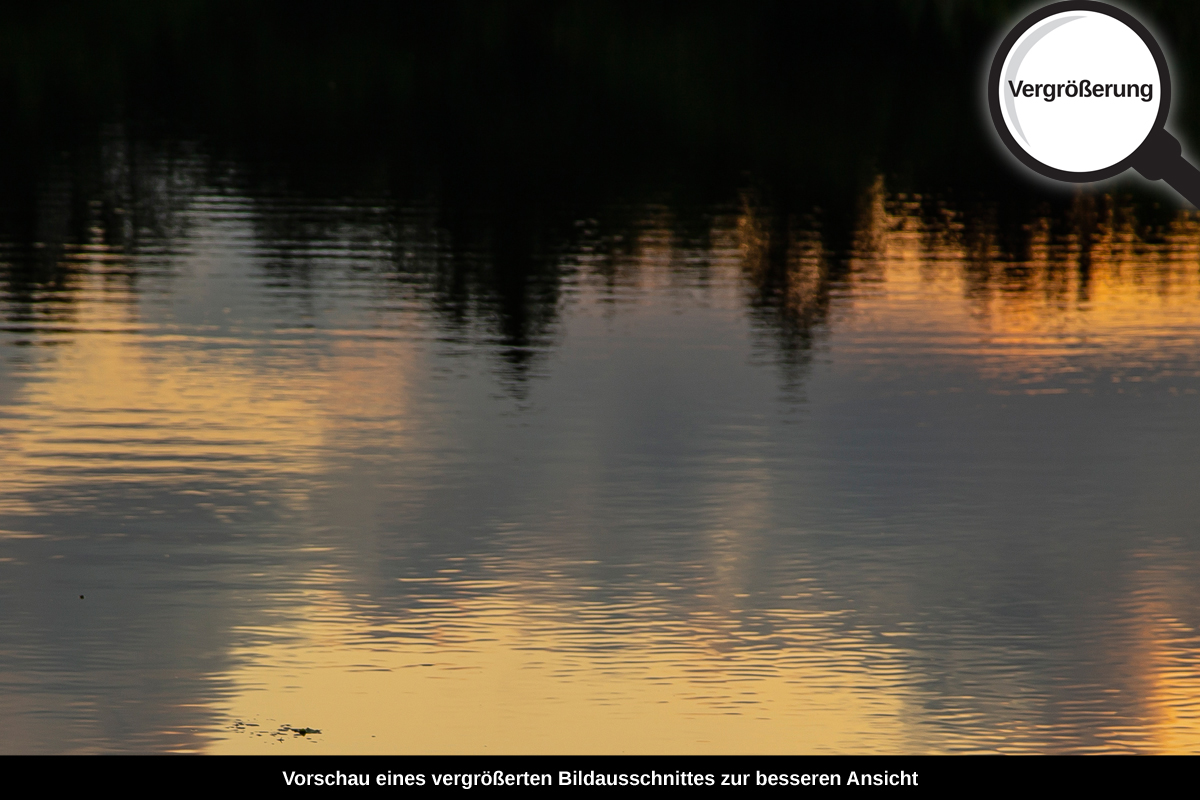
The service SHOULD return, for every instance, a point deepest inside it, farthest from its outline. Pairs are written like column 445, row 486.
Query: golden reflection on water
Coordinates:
column 1099, row 296
column 503, row 671
column 523, row 661
column 161, row 404
column 1165, row 656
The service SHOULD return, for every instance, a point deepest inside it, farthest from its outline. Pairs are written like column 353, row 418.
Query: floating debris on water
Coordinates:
column 278, row 734
column 300, row 731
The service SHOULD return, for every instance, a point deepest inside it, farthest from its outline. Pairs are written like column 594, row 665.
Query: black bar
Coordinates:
column 763, row 775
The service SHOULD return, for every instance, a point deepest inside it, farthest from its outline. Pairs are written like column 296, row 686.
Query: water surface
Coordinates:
column 724, row 495
column 550, row 380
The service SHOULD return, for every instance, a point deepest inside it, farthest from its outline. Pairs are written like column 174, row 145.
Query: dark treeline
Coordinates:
column 521, row 117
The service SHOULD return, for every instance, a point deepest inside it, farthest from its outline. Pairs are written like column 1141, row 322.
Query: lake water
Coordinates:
column 934, row 500
column 579, row 436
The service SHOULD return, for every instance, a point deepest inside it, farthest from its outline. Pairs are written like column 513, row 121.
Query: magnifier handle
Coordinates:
column 1161, row 158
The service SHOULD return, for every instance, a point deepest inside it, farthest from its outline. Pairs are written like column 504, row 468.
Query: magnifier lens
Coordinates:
column 1080, row 91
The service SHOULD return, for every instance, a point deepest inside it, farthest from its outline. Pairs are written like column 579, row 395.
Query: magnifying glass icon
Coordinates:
column 1079, row 91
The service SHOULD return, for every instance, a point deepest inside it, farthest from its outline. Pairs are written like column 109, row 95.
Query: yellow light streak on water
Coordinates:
column 504, row 673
